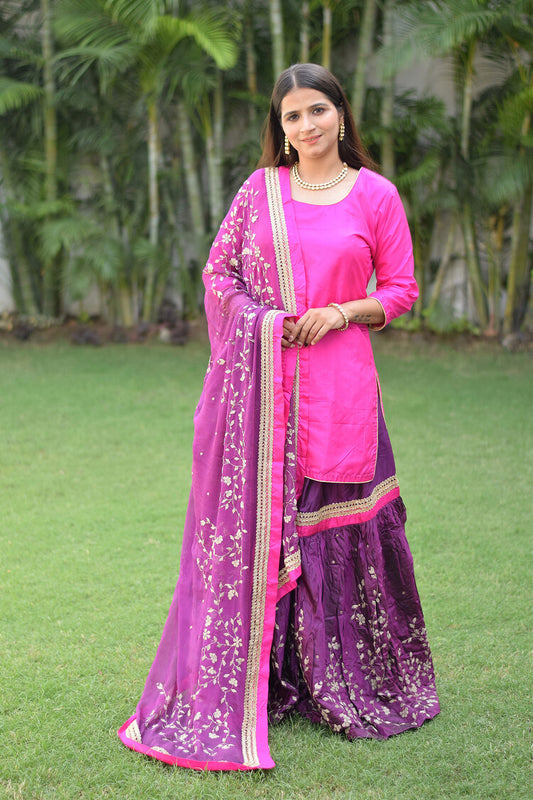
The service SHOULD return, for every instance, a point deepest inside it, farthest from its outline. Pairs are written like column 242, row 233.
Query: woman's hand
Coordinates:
column 316, row 322
column 311, row 327
column 289, row 325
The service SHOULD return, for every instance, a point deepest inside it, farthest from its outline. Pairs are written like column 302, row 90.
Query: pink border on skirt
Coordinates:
column 349, row 519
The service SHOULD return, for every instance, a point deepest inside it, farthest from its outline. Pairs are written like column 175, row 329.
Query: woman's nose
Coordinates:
column 307, row 122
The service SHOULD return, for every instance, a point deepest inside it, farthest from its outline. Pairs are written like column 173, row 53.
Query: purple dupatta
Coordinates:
column 204, row 704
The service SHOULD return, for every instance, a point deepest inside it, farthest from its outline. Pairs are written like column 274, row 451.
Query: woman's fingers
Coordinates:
column 314, row 324
column 288, row 331
column 311, row 327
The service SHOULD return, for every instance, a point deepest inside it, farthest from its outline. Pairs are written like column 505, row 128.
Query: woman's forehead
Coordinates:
column 298, row 99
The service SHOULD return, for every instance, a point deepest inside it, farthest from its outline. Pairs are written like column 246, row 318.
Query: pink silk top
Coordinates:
column 334, row 251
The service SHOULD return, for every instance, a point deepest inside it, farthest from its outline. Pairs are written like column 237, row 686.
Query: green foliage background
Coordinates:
column 127, row 125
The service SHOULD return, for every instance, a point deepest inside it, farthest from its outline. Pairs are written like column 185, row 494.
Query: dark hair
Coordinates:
column 310, row 76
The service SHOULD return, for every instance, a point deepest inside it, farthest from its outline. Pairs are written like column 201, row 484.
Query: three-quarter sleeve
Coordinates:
column 396, row 288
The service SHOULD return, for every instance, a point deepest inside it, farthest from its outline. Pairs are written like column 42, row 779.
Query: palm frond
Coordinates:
column 504, row 179
column 136, row 14
column 40, row 210
column 67, row 232
column 17, row 94
column 442, row 26
column 85, row 22
column 144, row 251
column 111, row 62
column 422, row 173
column 208, row 29
column 103, row 257
column 513, row 111
column 21, row 51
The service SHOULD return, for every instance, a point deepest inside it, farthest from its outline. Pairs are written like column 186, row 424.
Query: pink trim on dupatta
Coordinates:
column 138, row 747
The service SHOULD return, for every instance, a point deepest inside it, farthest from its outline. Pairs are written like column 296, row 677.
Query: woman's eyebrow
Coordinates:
column 313, row 105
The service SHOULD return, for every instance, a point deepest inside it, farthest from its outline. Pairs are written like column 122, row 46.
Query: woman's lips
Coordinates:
column 311, row 139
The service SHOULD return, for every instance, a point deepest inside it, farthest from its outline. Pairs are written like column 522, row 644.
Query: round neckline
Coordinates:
column 326, row 205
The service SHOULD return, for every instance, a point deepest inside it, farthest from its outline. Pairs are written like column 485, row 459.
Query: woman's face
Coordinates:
column 311, row 122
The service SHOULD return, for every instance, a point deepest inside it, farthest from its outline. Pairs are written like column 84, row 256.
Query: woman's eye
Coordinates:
column 318, row 110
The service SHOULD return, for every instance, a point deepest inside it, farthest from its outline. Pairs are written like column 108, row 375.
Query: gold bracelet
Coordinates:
column 343, row 312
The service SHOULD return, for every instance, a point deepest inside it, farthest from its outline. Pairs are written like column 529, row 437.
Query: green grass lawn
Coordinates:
column 94, row 479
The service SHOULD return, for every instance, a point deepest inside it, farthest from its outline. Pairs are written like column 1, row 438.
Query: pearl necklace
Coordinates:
column 318, row 186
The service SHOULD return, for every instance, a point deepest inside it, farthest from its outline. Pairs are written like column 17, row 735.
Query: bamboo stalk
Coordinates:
column 363, row 54
column 472, row 261
column 326, row 34
column 214, row 145
column 387, row 106
column 518, row 282
column 251, row 65
column 51, row 273
column 192, row 182
column 467, row 217
column 153, row 191
column 23, row 289
column 276, row 32
column 304, row 32
column 443, row 266
column 122, row 299
column 494, row 253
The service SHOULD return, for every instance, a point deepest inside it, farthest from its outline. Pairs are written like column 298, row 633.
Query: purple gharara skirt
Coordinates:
column 350, row 648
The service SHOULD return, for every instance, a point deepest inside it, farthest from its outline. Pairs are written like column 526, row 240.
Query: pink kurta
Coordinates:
column 337, row 247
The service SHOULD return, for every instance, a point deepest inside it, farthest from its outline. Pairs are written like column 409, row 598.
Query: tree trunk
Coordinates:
column 519, row 280
column 51, row 270
column 276, row 32
column 304, row 33
column 443, row 266
column 21, row 283
column 472, row 261
column 387, row 105
column 153, row 194
column 122, row 300
column 495, row 239
column 251, row 66
column 215, row 156
column 419, row 270
column 364, row 50
column 23, row 287
column 467, row 216
column 108, row 310
column 468, row 91
column 192, row 181
column 125, row 306
column 326, row 34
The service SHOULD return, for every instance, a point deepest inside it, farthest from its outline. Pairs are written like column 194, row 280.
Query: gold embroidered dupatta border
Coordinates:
column 265, row 463
column 286, row 282
column 281, row 239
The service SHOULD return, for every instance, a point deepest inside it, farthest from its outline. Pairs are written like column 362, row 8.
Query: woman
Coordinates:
column 296, row 588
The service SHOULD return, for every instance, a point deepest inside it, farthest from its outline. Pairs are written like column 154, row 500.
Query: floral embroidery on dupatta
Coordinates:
column 204, row 703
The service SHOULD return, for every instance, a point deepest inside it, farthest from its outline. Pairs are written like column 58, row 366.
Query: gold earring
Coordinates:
column 341, row 131
column 287, row 147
